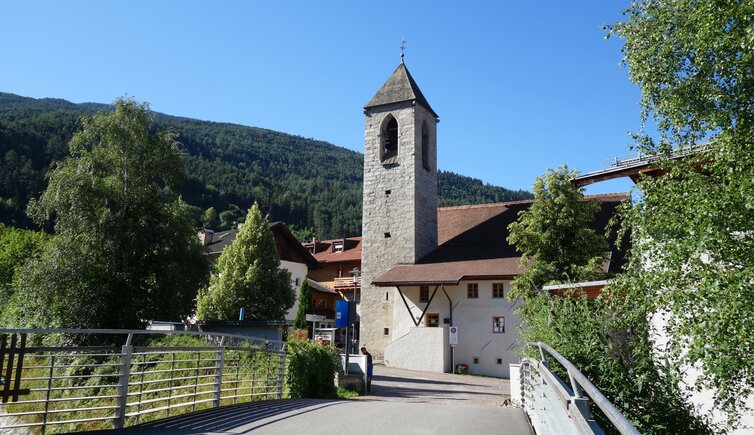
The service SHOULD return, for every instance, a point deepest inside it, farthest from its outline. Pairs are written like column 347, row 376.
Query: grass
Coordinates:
column 347, row 394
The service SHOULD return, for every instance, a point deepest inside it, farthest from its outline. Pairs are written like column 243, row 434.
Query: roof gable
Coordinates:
column 400, row 87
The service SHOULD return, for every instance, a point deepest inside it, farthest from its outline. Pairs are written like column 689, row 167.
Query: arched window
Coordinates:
column 425, row 146
column 390, row 138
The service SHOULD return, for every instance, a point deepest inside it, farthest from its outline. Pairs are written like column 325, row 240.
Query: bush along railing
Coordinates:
column 57, row 387
column 311, row 370
column 555, row 407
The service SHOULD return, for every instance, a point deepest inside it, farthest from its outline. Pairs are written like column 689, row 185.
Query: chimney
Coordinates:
column 205, row 236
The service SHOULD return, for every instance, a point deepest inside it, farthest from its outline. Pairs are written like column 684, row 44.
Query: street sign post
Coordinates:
column 453, row 341
column 453, row 336
column 314, row 318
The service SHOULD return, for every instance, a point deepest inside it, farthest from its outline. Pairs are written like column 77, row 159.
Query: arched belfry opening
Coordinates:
column 425, row 145
column 389, row 139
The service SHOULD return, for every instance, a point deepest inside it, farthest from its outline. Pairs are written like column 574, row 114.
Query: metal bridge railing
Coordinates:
column 554, row 407
column 60, row 388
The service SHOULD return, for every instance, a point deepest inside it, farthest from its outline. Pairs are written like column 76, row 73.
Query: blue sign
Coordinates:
column 341, row 314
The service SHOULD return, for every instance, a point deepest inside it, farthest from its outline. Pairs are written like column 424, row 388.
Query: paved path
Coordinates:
column 391, row 384
column 402, row 402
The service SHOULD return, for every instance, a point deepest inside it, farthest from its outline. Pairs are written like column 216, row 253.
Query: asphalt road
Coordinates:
column 402, row 402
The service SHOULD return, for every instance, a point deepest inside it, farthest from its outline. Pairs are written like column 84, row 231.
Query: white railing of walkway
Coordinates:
column 554, row 407
column 55, row 387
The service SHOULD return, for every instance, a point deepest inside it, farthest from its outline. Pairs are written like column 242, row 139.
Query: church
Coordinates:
column 424, row 269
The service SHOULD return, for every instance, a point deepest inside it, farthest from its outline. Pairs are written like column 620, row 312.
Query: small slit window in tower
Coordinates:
column 390, row 139
column 425, row 146
column 386, row 331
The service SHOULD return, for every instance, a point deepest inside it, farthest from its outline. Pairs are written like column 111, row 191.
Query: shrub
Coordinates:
column 311, row 370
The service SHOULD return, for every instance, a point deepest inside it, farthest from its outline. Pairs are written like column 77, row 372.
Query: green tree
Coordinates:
column 693, row 250
column 228, row 218
column 554, row 235
column 248, row 275
column 304, row 307
column 124, row 250
column 558, row 245
column 17, row 246
column 210, row 218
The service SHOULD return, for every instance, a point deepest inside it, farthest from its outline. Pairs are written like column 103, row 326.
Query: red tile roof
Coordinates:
column 451, row 272
column 325, row 253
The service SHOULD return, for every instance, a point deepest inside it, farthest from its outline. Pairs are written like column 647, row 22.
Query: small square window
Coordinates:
column 388, row 192
column 498, row 325
column 476, row 360
column 387, row 235
column 386, row 331
column 472, row 290
column 424, row 293
column 499, row 360
column 433, row 320
column 498, row 290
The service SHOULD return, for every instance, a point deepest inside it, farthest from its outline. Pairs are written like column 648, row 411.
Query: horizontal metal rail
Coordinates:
column 554, row 406
column 134, row 332
column 108, row 387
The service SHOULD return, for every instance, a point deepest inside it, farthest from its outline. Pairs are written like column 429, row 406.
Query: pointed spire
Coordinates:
column 400, row 87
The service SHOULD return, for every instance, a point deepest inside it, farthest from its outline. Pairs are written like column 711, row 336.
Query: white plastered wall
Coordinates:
column 473, row 317
column 298, row 274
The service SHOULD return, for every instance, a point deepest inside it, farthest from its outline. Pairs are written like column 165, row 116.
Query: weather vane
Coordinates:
column 403, row 47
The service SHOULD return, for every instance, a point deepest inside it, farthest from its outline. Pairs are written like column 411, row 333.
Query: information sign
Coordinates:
column 314, row 318
column 453, row 335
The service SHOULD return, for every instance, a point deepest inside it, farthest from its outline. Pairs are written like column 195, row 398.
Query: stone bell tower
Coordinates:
column 399, row 213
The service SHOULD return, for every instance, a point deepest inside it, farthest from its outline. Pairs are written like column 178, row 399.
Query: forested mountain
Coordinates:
column 307, row 183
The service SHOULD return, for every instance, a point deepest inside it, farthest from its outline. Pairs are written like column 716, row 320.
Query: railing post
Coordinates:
column 543, row 357
column 219, row 363
column 123, row 379
column 578, row 399
column 582, row 405
column 281, row 371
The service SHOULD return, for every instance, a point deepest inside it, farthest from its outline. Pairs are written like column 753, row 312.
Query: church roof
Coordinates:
column 398, row 88
column 473, row 244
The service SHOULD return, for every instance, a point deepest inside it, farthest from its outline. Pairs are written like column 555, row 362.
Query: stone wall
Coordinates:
column 399, row 214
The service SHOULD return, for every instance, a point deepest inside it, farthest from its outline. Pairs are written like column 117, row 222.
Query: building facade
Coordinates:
column 426, row 269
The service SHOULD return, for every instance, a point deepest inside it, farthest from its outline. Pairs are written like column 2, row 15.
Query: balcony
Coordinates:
column 346, row 283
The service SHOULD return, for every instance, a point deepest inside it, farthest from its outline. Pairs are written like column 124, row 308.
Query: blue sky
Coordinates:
column 519, row 86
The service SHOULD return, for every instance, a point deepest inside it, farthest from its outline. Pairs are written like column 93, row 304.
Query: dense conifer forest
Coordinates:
column 312, row 185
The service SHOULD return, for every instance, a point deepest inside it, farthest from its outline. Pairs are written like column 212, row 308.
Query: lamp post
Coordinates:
column 348, row 346
column 356, row 274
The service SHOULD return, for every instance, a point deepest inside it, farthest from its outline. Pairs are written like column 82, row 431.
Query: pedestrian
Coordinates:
column 370, row 368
